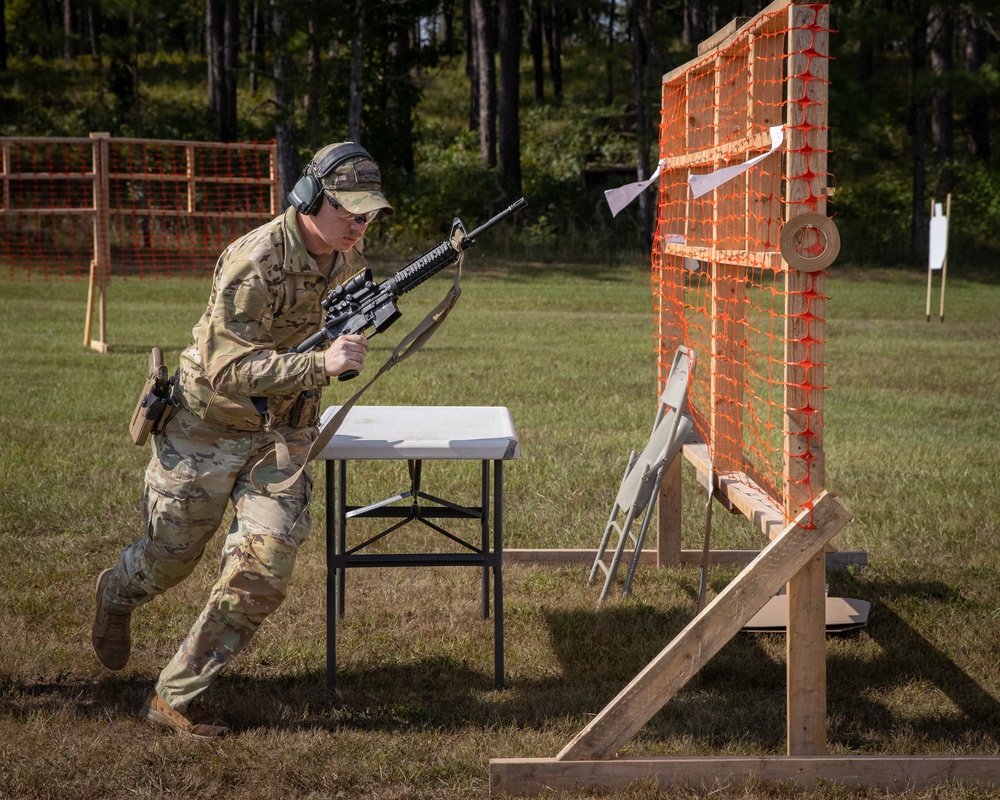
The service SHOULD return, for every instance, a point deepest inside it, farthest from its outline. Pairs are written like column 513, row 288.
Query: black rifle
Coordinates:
column 359, row 305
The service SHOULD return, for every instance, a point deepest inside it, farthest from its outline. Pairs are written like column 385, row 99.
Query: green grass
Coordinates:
column 911, row 431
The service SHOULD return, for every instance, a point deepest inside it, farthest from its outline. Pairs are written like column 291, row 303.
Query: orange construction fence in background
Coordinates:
column 101, row 206
column 136, row 207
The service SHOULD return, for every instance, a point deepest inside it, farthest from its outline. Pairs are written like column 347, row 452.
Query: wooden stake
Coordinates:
column 88, row 325
column 100, row 266
column 944, row 264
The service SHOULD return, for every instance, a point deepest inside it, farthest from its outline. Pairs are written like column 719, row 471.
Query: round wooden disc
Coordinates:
column 809, row 242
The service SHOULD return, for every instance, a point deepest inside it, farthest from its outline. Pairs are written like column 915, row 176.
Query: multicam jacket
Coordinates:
column 266, row 295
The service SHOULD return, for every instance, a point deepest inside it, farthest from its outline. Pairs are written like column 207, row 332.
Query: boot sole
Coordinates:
column 99, row 591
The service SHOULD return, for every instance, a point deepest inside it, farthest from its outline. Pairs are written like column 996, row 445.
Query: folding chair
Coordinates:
column 644, row 474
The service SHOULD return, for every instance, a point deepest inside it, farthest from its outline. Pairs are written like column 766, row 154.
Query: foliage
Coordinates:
column 140, row 70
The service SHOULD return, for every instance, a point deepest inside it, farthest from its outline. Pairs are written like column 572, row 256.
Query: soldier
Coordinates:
column 240, row 393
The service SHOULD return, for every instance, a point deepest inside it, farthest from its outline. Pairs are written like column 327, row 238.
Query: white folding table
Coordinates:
column 416, row 434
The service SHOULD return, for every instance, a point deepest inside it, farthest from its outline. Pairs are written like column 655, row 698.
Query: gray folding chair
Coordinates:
column 644, row 474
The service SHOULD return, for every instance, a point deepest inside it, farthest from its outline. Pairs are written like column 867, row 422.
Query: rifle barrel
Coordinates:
column 513, row 208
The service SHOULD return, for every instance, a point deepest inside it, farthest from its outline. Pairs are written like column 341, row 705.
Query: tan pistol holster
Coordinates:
column 156, row 403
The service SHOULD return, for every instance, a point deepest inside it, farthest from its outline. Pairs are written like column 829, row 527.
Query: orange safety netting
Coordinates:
column 140, row 207
column 720, row 281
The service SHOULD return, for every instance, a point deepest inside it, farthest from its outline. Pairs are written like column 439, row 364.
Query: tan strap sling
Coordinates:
column 409, row 345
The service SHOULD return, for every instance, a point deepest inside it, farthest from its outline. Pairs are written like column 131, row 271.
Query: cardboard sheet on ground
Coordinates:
column 842, row 614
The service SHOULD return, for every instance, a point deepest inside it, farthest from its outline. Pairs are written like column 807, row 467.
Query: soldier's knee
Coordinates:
column 258, row 577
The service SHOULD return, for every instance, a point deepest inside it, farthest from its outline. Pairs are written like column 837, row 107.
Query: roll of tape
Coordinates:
column 809, row 242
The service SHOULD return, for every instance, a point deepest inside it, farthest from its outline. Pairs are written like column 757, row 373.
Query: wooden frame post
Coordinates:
column 804, row 467
column 100, row 264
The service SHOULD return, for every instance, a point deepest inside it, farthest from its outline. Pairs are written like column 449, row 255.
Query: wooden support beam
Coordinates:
column 554, row 557
column 532, row 776
column 708, row 632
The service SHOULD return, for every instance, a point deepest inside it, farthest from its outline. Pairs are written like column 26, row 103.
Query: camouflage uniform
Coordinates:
column 265, row 299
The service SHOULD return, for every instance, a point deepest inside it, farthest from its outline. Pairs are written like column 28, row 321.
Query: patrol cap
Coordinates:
column 353, row 179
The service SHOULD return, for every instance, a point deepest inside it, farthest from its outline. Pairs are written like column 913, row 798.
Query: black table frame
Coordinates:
column 423, row 508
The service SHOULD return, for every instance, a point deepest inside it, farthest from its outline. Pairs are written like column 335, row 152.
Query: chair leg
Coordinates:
column 640, row 539
column 613, row 568
column 603, row 546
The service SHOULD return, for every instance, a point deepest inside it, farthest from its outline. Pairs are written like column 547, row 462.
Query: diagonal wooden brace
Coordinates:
column 708, row 632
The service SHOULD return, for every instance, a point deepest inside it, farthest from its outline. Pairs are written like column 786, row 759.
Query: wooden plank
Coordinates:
column 668, row 517
column 707, row 633
column 533, row 776
column 805, row 674
column 744, row 258
column 737, row 490
column 723, row 151
column 804, row 473
column 555, row 557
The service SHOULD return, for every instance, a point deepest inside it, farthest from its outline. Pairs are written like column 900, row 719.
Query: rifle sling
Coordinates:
column 409, row 345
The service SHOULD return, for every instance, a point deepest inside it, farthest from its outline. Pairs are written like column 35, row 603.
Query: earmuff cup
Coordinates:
column 306, row 196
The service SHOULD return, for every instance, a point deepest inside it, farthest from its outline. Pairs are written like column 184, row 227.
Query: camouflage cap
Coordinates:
column 354, row 183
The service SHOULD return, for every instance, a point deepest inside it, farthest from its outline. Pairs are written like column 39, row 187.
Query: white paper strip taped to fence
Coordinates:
column 621, row 196
column 703, row 184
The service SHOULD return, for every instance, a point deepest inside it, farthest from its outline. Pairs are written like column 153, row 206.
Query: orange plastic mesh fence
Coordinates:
column 139, row 207
column 720, row 282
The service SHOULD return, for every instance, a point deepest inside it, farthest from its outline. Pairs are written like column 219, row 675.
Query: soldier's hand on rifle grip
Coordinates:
column 345, row 356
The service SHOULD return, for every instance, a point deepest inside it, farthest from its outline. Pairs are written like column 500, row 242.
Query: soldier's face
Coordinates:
column 338, row 231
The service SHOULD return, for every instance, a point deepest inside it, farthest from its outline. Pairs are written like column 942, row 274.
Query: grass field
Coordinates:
column 912, row 426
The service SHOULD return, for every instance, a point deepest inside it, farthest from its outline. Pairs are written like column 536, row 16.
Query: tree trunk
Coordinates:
column 640, row 61
column 231, row 33
column 510, row 91
column 918, row 59
column 255, row 18
column 553, row 38
column 213, row 52
column 977, row 112
column 448, row 27
column 400, row 107
column 67, row 30
column 3, row 35
column 354, row 92
column 609, row 59
column 284, row 101
column 482, row 23
column 693, row 30
column 221, row 19
column 311, row 100
column 471, row 65
column 942, row 53
column 537, row 51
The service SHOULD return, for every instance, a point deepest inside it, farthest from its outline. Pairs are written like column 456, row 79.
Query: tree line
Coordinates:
column 911, row 96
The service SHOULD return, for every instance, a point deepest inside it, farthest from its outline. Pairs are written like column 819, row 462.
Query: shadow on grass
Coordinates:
column 858, row 691
column 739, row 697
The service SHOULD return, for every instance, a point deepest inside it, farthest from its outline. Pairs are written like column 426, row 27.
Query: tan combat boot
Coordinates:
column 111, row 634
column 193, row 722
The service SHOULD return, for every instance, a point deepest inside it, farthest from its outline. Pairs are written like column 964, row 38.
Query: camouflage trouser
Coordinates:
column 195, row 471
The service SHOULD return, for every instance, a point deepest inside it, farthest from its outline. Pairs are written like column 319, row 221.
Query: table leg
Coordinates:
column 341, row 534
column 331, row 577
column 498, row 573
column 485, row 536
